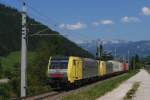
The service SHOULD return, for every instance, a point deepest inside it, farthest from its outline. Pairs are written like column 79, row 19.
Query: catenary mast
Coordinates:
column 23, row 51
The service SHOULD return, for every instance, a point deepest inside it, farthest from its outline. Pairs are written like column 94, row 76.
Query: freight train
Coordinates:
column 72, row 71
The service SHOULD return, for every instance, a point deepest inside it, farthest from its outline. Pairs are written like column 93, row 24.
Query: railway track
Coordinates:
column 54, row 95
column 42, row 96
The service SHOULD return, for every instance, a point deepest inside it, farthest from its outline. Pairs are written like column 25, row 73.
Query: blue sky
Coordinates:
column 86, row 20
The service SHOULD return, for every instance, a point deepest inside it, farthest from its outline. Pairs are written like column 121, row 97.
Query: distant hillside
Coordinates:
column 10, row 36
column 139, row 47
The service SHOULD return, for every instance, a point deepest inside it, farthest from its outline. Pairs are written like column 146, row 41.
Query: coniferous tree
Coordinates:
column 101, row 52
column 1, row 70
column 131, row 67
column 135, row 62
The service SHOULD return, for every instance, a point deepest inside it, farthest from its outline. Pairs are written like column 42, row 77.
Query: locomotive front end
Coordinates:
column 57, row 71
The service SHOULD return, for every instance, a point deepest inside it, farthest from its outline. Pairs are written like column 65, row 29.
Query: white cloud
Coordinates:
column 127, row 19
column 95, row 23
column 146, row 11
column 62, row 25
column 75, row 26
column 106, row 22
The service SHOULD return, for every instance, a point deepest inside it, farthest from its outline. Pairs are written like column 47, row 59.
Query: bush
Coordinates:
column 1, row 70
column 5, row 91
column 37, row 72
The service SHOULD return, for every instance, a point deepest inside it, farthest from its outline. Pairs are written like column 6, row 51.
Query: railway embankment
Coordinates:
column 99, row 89
column 142, row 93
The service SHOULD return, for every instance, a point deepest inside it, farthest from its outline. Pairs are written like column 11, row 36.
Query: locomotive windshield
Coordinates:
column 58, row 64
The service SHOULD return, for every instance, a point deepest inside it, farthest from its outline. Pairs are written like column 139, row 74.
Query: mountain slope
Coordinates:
column 39, row 50
column 10, row 36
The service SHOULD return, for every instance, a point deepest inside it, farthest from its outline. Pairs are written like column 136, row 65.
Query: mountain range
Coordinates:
column 121, row 47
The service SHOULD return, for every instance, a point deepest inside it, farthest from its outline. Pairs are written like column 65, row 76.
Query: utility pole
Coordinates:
column 134, row 62
column 123, row 59
column 128, row 58
column 115, row 53
column 23, row 51
column 98, row 49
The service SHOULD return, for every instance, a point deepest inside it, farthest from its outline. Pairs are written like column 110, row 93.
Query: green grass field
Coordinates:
column 99, row 89
column 11, row 69
column 14, row 58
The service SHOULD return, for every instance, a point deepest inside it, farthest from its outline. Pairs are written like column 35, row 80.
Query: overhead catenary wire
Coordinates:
column 44, row 17
column 39, row 15
column 65, row 32
column 46, row 20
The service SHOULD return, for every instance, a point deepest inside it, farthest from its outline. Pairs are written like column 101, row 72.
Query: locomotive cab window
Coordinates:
column 58, row 64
